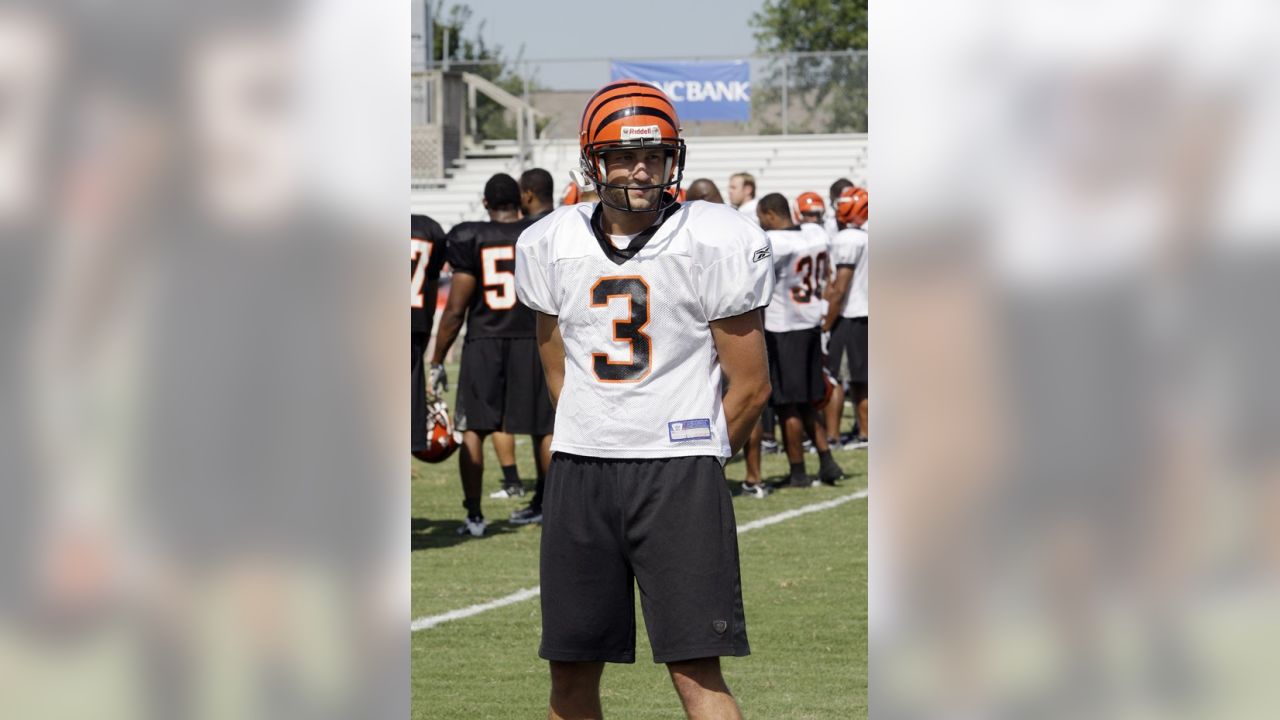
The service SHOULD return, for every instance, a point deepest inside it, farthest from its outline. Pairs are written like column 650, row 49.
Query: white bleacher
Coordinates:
column 789, row 164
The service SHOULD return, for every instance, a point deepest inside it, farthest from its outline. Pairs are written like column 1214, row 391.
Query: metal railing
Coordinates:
column 791, row 93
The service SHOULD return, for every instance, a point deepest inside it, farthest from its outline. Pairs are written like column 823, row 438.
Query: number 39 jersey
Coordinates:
column 487, row 251
column 801, row 264
column 642, row 377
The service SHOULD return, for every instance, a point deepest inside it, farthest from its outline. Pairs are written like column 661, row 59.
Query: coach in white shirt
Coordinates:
column 742, row 195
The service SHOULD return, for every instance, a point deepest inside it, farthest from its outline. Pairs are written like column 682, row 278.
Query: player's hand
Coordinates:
column 438, row 381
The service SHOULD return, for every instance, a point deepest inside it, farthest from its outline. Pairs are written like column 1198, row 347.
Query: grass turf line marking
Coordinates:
column 424, row 623
column 802, row 510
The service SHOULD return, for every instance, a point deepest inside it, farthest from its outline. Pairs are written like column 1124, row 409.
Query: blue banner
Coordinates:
column 700, row 90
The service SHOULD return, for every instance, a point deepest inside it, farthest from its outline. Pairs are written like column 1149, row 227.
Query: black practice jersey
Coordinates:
column 426, row 257
column 487, row 251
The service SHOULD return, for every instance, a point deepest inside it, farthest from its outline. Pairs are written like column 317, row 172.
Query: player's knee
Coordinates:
column 696, row 676
column 570, row 679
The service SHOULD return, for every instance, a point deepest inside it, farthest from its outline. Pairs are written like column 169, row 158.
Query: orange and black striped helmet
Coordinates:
column 851, row 206
column 631, row 114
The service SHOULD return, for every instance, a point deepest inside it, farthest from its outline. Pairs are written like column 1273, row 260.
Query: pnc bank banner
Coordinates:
column 700, row 90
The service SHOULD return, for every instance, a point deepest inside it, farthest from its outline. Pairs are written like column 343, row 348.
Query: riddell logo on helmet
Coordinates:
column 647, row 132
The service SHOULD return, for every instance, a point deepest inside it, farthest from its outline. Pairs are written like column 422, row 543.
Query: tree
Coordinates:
column 833, row 88
column 468, row 51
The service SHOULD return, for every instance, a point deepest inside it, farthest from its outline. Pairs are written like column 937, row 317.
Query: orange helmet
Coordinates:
column 851, row 206
column 442, row 439
column 571, row 195
column 809, row 202
column 631, row 114
column 829, row 385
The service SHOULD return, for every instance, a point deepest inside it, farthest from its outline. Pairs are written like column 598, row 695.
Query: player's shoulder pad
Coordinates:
column 718, row 231
column 541, row 236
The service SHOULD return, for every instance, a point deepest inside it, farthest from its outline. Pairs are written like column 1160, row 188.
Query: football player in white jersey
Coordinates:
column 847, row 312
column 653, row 347
column 793, row 335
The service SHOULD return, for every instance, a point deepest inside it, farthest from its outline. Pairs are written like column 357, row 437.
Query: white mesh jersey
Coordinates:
column 801, row 267
column 642, row 377
column 851, row 247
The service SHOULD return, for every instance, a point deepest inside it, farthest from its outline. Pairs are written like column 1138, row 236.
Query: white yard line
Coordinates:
column 431, row 621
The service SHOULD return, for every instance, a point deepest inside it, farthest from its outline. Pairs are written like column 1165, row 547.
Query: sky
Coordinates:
column 588, row 34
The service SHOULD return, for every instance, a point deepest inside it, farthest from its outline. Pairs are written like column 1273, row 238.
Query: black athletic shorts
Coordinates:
column 795, row 366
column 418, row 391
column 501, row 387
column 849, row 339
column 665, row 525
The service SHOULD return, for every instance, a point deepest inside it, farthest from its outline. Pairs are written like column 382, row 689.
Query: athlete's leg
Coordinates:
column 859, row 392
column 814, row 427
column 542, row 459
column 792, row 432
column 575, row 690
column 834, row 411
column 751, row 453
column 829, row 471
column 703, row 691
column 504, row 445
column 471, row 468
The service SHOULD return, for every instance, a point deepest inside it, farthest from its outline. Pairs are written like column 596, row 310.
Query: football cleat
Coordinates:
column 473, row 526
column 800, row 481
column 525, row 516
column 508, row 492
column 758, row 490
column 829, row 473
column 442, row 439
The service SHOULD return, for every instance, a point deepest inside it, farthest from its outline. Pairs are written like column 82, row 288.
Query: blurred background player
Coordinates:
column 536, row 202
column 742, row 194
column 426, row 257
column 809, row 209
column 500, row 383
column 704, row 189
column 847, row 309
column 794, row 339
column 829, row 221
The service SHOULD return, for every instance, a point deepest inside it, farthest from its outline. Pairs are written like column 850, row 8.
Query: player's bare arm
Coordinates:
column 455, row 311
column 551, row 349
column 739, row 342
column 837, row 291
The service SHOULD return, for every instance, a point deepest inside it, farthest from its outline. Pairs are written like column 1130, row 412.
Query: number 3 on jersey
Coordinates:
column 628, row 329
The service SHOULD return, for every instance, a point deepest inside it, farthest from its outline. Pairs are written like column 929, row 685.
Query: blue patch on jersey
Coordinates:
column 683, row 430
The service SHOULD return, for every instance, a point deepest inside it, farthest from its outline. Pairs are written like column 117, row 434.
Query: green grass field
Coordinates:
column 804, row 586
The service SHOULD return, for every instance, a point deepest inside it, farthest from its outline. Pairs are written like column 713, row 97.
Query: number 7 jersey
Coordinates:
column 642, row 376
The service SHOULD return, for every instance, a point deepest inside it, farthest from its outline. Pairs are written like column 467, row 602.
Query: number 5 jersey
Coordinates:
column 486, row 251
column 642, row 377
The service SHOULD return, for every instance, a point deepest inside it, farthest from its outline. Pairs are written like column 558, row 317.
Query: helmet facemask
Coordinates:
column 594, row 169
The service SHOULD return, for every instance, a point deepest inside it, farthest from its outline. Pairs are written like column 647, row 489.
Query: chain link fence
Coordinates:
column 792, row 93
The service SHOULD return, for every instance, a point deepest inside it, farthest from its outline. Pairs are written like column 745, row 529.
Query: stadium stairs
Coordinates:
column 789, row 164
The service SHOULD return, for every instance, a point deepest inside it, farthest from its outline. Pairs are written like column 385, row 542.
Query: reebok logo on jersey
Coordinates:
column 761, row 254
column 647, row 132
